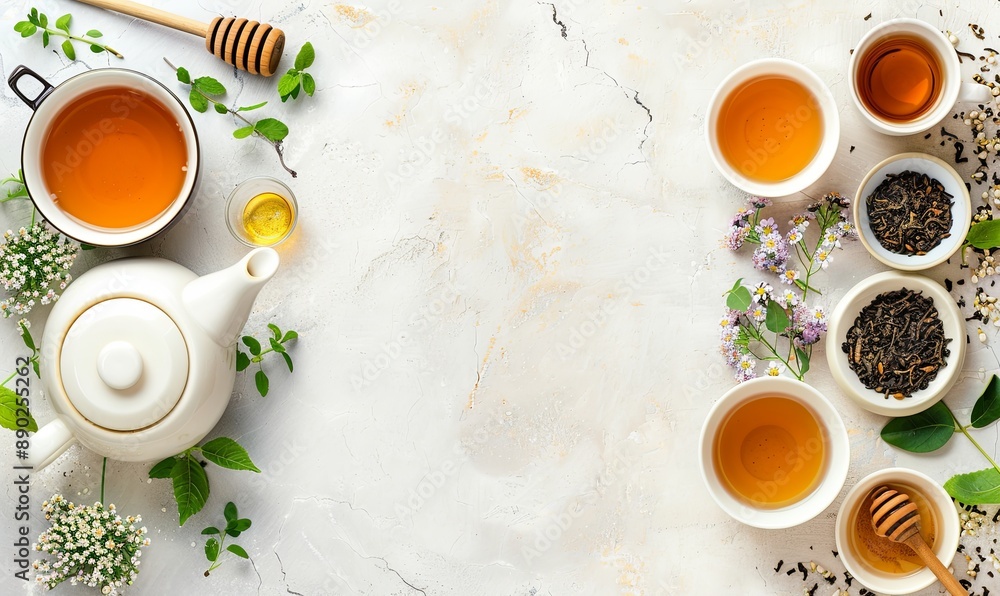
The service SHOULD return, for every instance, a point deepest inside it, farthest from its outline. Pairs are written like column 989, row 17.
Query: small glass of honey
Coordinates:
column 261, row 211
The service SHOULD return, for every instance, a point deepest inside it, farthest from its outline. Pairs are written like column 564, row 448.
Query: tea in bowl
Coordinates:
column 110, row 157
column 774, row 452
column 896, row 343
column 913, row 211
column 882, row 565
column 773, row 127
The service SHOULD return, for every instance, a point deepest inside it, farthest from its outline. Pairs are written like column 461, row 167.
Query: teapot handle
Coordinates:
column 49, row 443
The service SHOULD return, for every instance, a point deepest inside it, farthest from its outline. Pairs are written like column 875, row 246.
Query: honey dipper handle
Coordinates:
column 154, row 15
column 930, row 559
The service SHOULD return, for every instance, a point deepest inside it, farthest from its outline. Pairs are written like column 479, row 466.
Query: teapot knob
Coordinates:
column 119, row 365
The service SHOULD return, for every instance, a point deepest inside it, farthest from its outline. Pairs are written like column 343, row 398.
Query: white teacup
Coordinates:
column 953, row 89
column 825, row 108
column 832, row 476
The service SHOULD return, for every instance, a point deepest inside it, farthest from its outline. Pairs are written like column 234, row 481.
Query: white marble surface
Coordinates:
column 507, row 278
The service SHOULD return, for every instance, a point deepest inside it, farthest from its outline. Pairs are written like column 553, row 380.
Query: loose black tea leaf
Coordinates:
column 910, row 213
column 897, row 344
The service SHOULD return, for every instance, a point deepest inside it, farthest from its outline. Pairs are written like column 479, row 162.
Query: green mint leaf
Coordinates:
column 63, row 22
column 221, row 108
column 211, row 530
column 212, row 549
column 242, row 361
column 183, row 75
column 987, row 408
column 26, row 337
column 975, row 488
column 9, row 412
column 230, row 512
column 295, row 92
column 255, row 106
column 45, row 39
column 69, row 50
column 209, row 86
column 277, row 347
column 28, row 30
column 776, row 319
column 96, row 48
column 238, row 551
column 242, row 133
column 34, row 365
column 308, row 84
column 43, row 21
column 84, row 246
column 738, row 299
column 305, row 57
column 198, row 101
column 190, row 487
column 163, row 469
column 94, row 33
column 21, row 26
column 921, row 433
column 275, row 330
column 227, row 453
column 252, row 344
column 33, row 15
column 985, row 234
column 262, row 383
column 289, row 336
column 288, row 360
column 242, row 525
column 271, row 129
column 286, row 84
column 803, row 359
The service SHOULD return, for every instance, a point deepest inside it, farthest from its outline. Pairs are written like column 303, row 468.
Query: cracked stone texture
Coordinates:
column 506, row 277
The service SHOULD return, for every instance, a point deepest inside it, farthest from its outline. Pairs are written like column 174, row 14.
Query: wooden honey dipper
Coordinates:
column 247, row 45
column 895, row 516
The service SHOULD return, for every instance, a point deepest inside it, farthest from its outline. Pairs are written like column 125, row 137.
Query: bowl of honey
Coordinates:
column 773, row 127
column 889, row 567
column 774, row 452
column 262, row 211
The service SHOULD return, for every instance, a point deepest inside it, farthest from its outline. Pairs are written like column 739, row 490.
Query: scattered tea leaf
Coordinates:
column 921, row 433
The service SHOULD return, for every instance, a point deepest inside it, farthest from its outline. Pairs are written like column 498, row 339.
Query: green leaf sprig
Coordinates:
column 205, row 90
column 19, row 191
column 276, row 343
column 13, row 403
column 933, row 428
column 38, row 21
column 190, row 480
column 233, row 528
column 296, row 79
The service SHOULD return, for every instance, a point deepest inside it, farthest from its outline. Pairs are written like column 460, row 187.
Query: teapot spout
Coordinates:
column 221, row 302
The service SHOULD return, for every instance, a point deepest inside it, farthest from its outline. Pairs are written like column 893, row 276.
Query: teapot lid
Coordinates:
column 124, row 364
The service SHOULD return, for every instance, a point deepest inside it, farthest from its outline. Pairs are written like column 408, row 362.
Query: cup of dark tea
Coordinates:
column 905, row 78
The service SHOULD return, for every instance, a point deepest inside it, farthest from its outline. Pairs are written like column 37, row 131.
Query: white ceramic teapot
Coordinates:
column 139, row 356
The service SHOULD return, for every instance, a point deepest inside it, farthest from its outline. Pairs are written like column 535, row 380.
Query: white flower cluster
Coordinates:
column 34, row 267
column 90, row 545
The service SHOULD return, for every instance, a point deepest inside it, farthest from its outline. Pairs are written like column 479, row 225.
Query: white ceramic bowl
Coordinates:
column 947, row 534
column 961, row 210
column 837, row 450
column 847, row 310
column 826, row 106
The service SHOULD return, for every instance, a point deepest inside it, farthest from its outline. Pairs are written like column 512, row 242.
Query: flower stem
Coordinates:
column 104, row 469
column 85, row 40
column 7, row 380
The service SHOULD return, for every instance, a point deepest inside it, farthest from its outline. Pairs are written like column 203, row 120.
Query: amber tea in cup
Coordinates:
column 770, row 452
column 114, row 158
column 900, row 79
column 881, row 553
column 770, row 128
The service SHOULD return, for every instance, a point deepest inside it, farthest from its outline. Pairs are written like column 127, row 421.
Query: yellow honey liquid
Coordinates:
column 267, row 218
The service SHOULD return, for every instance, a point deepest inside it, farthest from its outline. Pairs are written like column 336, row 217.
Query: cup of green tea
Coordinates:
column 905, row 78
column 773, row 127
column 110, row 157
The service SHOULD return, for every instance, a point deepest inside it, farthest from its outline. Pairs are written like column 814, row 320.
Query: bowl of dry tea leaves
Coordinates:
column 912, row 211
column 896, row 343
